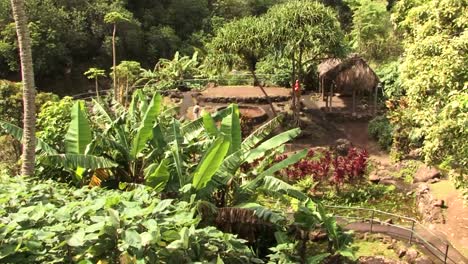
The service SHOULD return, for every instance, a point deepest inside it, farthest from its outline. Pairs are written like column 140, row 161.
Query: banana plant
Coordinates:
column 77, row 158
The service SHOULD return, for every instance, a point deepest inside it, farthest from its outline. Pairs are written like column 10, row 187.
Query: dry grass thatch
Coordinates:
column 348, row 74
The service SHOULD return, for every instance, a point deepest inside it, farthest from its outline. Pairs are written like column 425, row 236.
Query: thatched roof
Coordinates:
column 326, row 65
column 352, row 72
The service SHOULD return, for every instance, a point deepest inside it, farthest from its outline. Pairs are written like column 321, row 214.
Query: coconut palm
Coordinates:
column 27, row 73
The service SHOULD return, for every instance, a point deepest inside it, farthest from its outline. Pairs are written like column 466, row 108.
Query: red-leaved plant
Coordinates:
column 324, row 166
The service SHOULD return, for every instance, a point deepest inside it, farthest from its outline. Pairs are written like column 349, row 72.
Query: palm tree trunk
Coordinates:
column 29, row 93
column 114, row 62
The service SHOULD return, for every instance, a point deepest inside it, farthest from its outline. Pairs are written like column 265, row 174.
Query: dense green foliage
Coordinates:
column 433, row 113
column 11, row 103
column 73, row 35
column 381, row 130
column 372, row 34
column 52, row 122
column 54, row 223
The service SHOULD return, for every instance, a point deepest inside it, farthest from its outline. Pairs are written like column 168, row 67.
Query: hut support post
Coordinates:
column 375, row 99
column 322, row 88
column 354, row 101
column 331, row 97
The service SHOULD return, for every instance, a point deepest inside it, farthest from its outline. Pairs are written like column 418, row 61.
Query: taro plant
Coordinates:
column 49, row 222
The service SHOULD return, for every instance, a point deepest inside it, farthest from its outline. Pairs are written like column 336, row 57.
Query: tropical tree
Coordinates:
column 29, row 88
column 306, row 32
column 95, row 73
column 247, row 39
column 372, row 34
column 127, row 73
column 435, row 31
column 115, row 18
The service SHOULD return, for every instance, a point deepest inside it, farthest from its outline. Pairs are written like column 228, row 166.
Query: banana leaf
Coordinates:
column 230, row 126
column 210, row 162
column 261, row 133
column 145, row 131
column 157, row 175
column 79, row 133
column 272, row 143
column 17, row 133
column 74, row 161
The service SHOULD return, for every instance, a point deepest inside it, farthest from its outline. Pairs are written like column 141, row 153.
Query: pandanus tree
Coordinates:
column 95, row 73
column 247, row 39
column 306, row 32
column 29, row 89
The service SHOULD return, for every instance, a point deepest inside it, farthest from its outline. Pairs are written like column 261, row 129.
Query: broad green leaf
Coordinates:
column 133, row 239
column 285, row 163
column 210, row 162
column 230, row 126
column 73, row 161
column 17, row 133
column 77, row 239
column 276, row 167
column 317, row 259
column 264, row 213
column 79, row 133
column 276, row 185
column 157, row 176
column 261, row 133
column 219, row 260
column 175, row 149
column 145, row 131
column 192, row 129
column 272, row 143
column 209, row 124
column 158, row 137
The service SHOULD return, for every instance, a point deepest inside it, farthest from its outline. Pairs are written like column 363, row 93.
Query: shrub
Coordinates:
column 47, row 222
column 53, row 121
column 326, row 167
column 381, row 130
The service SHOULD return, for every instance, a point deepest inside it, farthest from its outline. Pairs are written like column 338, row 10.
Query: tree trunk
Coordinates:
column 375, row 100
column 97, row 87
column 114, row 62
column 293, row 81
column 354, row 100
column 264, row 92
column 300, row 76
column 29, row 93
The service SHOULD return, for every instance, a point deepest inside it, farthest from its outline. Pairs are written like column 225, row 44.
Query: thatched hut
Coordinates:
column 346, row 77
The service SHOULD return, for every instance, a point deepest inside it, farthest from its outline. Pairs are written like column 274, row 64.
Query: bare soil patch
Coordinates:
column 244, row 91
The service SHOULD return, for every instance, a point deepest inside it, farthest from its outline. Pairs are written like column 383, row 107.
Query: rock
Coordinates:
column 425, row 173
column 411, row 255
column 342, row 146
column 389, row 221
column 435, row 180
column 402, row 252
column 423, row 260
column 438, row 203
column 374, row 177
